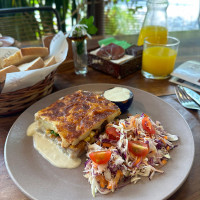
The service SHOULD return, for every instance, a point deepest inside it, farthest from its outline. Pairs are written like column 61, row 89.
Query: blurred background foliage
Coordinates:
column 111, row 17
column 120, row 20
column 62, row 6
column 71, row 11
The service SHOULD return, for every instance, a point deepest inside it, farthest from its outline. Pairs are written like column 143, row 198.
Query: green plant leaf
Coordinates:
column 91, row 28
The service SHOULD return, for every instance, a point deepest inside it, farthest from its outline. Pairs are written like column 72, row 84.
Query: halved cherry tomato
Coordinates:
column 138, row 148
column 147, row 126
column 100, row 157
column 112, row 133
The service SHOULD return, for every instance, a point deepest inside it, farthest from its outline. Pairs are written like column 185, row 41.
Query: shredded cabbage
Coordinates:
column 123, row 165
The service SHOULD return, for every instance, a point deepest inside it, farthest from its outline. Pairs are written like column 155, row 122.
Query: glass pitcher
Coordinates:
column 155, row 22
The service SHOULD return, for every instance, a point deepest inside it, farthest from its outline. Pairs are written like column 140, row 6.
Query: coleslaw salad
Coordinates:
column 129, row 149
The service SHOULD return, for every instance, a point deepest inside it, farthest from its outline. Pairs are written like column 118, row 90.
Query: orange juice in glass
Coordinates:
column 158, row 60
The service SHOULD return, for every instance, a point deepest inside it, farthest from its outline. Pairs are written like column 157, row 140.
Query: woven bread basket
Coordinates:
column 13, row 102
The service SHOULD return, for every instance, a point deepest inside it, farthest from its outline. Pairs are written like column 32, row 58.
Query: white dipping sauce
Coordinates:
column 117, row 94
column 50, row 150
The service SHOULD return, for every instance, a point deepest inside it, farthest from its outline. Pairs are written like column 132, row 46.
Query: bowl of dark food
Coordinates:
column 122, row 97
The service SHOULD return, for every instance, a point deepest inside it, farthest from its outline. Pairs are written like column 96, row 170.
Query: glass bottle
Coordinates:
column 155, row 22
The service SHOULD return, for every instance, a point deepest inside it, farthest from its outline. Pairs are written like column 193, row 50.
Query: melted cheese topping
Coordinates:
column 51, row 151
column 75, row 115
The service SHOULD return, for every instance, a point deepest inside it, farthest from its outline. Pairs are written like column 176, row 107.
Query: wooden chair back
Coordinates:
column 29, row 23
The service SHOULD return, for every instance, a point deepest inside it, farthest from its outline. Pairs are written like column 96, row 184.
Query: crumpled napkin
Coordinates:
column 107, row 41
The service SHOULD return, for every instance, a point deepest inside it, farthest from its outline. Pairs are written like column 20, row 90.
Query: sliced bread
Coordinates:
column 6, row 70
column 25, row 55
column 50, row 61
column 35, row 64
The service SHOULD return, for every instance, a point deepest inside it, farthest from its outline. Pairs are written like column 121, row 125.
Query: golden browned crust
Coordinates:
column 75, row 115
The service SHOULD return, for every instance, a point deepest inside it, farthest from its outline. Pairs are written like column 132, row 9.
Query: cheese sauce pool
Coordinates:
column 51, row 151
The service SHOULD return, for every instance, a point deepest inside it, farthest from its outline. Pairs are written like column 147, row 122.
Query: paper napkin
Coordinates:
column 187, row 74
column 107, row 41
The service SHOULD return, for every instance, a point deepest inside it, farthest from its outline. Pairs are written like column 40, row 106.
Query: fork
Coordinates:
column 185, row 99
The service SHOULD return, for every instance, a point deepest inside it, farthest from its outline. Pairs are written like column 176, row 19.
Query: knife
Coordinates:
column 193, row 95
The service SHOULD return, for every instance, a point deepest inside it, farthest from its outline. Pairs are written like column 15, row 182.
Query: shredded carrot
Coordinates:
column 164, row 162
column 103, row 182
column 114, row 183
column 145, row 115
column 168, row 148
column 95, row 165
column 138, row 115
column 133, row 120
column 163, row 141
column 98, row 142
column 106, row 144
column 123, row 125
column 137, row 161
column 110, row 186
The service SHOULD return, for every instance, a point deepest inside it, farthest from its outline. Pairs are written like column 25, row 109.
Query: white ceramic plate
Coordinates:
column 38, row 179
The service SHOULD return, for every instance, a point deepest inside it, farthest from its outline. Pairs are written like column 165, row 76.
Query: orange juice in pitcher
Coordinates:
column 155, row 22
column 158, row 34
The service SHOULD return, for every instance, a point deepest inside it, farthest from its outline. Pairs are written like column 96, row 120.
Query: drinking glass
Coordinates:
column 79, row 47
column 158, row 60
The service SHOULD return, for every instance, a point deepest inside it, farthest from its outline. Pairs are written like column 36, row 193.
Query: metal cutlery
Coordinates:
column 195, row 96
column 185, row 99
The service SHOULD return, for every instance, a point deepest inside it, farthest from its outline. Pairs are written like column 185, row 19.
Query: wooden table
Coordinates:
column 189, row 50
